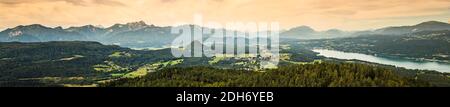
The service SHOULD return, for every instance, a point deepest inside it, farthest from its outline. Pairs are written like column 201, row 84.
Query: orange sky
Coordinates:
column 319, row 14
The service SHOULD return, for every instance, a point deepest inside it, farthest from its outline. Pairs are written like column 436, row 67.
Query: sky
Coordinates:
column 347, row 15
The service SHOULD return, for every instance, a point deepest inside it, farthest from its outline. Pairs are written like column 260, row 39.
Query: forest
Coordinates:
column 430, row 45
column 64, row 62
column 91, row 64
column 309, row 75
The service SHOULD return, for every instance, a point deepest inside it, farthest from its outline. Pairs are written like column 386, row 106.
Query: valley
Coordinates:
column 139, row 55
column 115, row 66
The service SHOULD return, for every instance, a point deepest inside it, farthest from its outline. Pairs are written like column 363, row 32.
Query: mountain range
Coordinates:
column 140, row 34
column 305, row 32
column 425, row 26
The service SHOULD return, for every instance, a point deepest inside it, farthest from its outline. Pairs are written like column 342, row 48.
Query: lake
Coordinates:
column 406, row 63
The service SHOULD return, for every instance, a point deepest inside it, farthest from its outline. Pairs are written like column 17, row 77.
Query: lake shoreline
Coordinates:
column 443, row 67
column 388, row 55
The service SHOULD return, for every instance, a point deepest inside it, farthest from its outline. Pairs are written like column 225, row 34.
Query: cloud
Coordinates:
column 108, row 2
column 373, row 9
column 168, row 1
column 320, row 14
column 73, row 2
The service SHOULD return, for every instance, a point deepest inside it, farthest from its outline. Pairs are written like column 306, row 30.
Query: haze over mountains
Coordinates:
column 131, row 34
column 425, row 26
column 305, row 32
column 78, row 62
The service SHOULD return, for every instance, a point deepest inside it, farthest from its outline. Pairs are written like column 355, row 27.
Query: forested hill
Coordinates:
column 309, row 75
column 23, row 63
column 54, row 50
column 68, row 62
column 432, row 45
column 90, row 63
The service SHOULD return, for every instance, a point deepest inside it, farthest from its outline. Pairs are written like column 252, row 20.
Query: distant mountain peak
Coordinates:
column 31, row 26
column 137, row 23
column 334, row 31
column 304, row 29
column 424, row 26
column 36, row 25
column 89, row 26
column 300, row 31
column 59, row 28
column 432, row 23
column 23, row 28
column 86, row 29
column 130, row 26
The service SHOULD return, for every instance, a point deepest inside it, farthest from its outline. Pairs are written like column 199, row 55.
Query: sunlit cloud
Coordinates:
column 74, row 2
column 319, row 14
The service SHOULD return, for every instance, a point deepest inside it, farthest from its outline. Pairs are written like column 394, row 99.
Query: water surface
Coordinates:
column 406, row 63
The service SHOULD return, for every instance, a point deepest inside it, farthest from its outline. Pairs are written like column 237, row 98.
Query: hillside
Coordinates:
column 310, row 75
column 58, row 63
column 91, row 63
column 429, row 45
